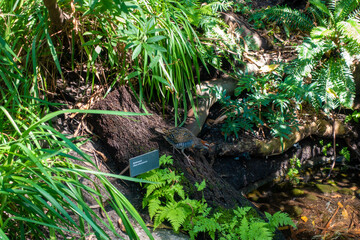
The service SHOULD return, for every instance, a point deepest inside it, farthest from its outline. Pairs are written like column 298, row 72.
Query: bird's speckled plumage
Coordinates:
column 181, row 138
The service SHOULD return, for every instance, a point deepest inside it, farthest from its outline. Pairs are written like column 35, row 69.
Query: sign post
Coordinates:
column 144, row 163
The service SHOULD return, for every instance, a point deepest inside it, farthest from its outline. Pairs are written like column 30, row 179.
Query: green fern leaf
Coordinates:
column 322, row 32
column 205, row 225
column 165, row 160
column 241, row 212
column 179, row 190
column 154, row 206
column 244, row 228
column 351, row 30
column 152, row 187
column 279, row 219
column 286, row 16
column 177, row 216
column 344, row 8
column 259, row 230
column 322, row 7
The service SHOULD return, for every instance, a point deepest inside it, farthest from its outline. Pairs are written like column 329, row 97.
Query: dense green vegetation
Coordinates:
column 326, row 56
column 321, row 75
column 42, row 195
column 157, row 48
column 167, row 201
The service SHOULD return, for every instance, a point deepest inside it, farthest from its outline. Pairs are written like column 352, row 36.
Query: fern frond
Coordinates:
column 344, row 82
column 209, row 225
column 326, row 86
column 159, row 217
column 331, row 5
column 318, row 16
column 355, row 14
column 244, row 228
column 152, row 187
column 177, row 188
column 279, row 219
column 350, row 29
column 165, row 160
column 322, row 33
column 242, row 212
column 323, row 8
column 314, row 50
column 175, row 212
column 290, row 17
column 344, row 8
column 154, row 206
column 259, row 230
column 176, row 217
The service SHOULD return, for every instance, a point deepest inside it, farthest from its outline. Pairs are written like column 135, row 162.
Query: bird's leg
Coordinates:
column 187, row 158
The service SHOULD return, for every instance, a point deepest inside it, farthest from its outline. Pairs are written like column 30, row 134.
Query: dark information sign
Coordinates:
column 144, row 163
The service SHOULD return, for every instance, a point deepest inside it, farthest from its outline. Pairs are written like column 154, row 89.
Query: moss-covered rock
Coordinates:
column 326, row 188
column 346, row 191
column 295, row 211
column 311, row 197
column 297, row 192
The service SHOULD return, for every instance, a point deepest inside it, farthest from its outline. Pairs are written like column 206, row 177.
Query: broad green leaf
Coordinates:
column 155, row 39
column 91, row 43
column 132, row 75
column 136, row 52
column 158, row 47
column 154, row 61
column 162, row 80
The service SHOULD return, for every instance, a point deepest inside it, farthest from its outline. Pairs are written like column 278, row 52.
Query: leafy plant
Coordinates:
column 42, row 188
column 158, row 55
column 290, row 19
column 325, row 59
column 263, row 101
column 353, row 116
column 167, row 201
column 244, row 7
column 245, row 224
column 295, row 166
column 325, row 147
column 346, row 153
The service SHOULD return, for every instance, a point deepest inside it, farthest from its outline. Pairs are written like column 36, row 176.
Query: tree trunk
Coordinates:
column 57, row 16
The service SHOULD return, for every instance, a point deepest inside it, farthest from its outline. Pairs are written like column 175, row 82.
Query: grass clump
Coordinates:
column 42, row 195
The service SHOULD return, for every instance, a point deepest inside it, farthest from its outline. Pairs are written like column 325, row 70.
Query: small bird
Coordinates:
column 182, row 138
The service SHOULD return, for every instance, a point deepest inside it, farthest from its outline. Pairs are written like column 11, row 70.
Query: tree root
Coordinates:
column 321, row 128
column 196, row 119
